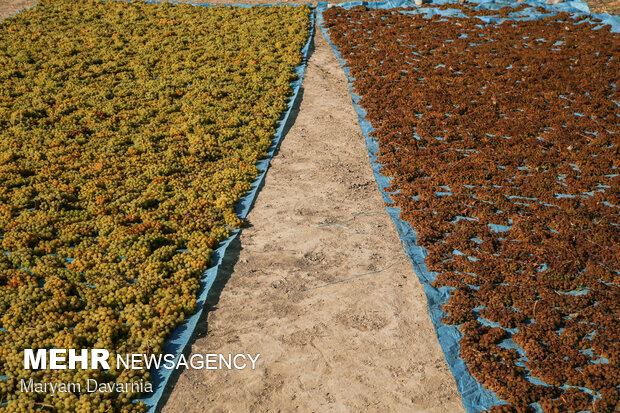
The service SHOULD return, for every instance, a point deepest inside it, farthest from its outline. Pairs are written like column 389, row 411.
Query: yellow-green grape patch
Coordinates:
column 128, row 131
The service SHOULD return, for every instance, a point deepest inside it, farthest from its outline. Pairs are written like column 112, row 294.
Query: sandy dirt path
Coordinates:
column 361, row 345
column 10, row 7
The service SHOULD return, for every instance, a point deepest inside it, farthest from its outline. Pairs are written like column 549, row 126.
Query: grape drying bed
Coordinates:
column 129, row 132
column 502, row 144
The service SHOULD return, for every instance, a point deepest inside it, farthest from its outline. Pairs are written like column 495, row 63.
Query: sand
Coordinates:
column 362, row 345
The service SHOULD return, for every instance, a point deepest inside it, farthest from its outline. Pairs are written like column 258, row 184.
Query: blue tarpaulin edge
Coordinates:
column 475, row 397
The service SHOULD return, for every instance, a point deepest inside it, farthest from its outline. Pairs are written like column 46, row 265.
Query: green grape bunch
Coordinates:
column 128, row 132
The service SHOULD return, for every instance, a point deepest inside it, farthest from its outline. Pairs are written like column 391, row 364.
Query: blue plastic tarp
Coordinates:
column 475, row 397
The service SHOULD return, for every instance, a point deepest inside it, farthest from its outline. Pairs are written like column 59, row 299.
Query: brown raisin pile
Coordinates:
column 502, row 141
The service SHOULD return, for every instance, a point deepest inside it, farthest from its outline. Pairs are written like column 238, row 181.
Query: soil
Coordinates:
column 604, row 6
column 362, row 345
